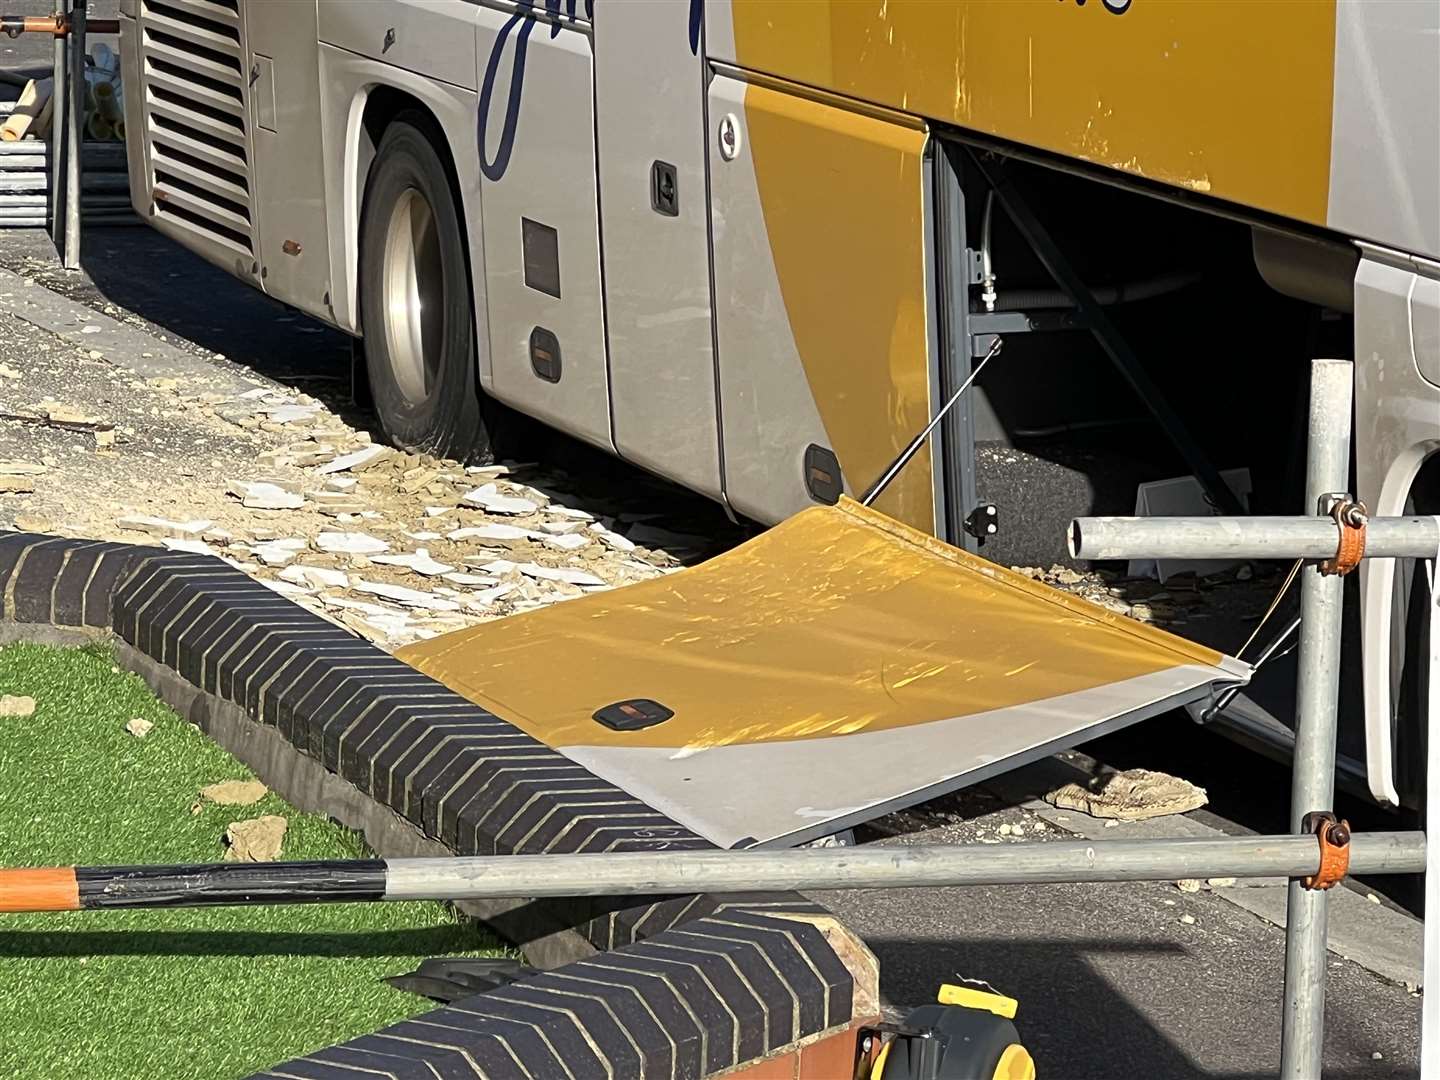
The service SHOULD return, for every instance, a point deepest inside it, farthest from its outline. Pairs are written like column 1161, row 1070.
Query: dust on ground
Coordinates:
column 395, row 546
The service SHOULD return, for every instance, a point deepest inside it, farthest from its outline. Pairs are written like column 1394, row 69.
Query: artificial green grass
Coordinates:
column 190, row 994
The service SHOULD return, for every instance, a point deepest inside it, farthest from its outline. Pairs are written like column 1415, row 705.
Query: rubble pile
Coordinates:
column 1172, row 604
column 395, row 546
column 473, row 543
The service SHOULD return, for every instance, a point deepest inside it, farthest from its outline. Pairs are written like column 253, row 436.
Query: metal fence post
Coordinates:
column 59, row 133
column 75, row 137
column 1313, row 781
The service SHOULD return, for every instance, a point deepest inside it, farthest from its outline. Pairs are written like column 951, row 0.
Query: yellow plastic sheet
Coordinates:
column 838, row 643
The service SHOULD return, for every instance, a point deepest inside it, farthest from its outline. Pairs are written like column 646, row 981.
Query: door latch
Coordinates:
column 664, row 189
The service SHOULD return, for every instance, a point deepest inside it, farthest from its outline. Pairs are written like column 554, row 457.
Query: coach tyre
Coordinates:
column 416, row 306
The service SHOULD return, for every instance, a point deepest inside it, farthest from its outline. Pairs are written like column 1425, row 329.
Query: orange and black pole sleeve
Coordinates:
column 77, row 888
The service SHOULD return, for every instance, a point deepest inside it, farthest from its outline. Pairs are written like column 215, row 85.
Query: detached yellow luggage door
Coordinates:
column 839, row 666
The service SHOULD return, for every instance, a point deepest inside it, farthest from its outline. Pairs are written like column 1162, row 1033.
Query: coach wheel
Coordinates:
column 416, row 306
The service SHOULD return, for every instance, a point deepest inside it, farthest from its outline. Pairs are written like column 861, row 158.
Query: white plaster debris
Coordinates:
column 335, row 502
column 340, row 483
column 488, row 497
column 574, row 513
column 285, row 588
column 498, row 567
column 358, row 460
column 350, row 543
column 278, row 552
column 401, row 595
column 480, row 601
column 438, row 511
column 346, row 604
column 264, row 495
column 504, row 535
column 559, row 573
column 460, row 578
column 612, row 540
column 292, row 414
column 163, row 527
column 192, row 547
column 419, row 561
column 567, row 542
column 316, row 577
column 423, row 535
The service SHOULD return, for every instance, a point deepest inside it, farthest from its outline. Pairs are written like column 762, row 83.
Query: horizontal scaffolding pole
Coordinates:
column 1245, row 538
column 1059, row 862
column 647, row 873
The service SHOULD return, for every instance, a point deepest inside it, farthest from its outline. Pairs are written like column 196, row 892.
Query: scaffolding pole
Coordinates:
column 1245, row 538
column 59, row 130
column 75, row 135
column 655, row 873
column 1317, row 697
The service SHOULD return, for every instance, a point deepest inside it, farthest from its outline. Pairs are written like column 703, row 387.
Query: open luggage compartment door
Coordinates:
column 837, row 667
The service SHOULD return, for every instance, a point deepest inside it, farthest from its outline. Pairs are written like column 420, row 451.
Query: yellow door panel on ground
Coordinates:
column 837, row 665
column 1228, row 97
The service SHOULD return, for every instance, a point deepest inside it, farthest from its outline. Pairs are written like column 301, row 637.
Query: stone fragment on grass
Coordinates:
column 16, row 705
column 255, row 839
column 139, row 727
column 234, row 792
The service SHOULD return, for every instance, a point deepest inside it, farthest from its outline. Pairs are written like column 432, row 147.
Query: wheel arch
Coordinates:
column 363, row 97
column 1397, row 459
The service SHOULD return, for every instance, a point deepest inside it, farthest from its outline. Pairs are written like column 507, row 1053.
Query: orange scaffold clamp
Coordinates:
column 1334, row 837
column 1350, row 518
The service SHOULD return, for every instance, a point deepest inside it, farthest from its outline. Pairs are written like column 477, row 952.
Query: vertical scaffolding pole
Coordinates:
column 75, row 128
column 1313, row 781
column 58, row 133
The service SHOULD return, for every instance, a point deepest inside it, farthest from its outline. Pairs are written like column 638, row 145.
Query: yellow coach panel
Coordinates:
column 1227, row 97
column 837, row 664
